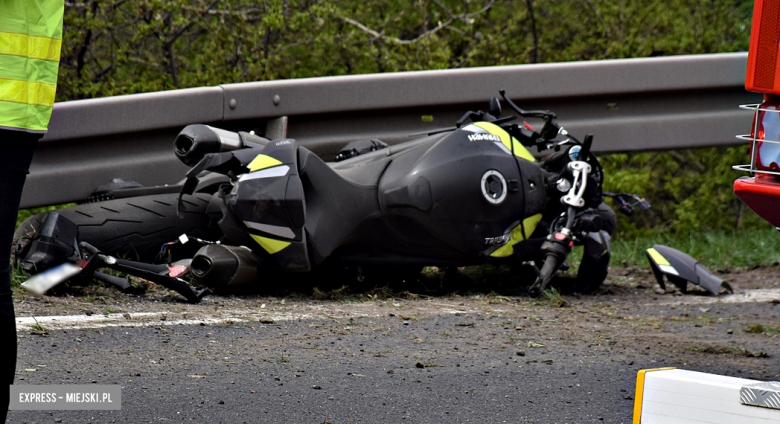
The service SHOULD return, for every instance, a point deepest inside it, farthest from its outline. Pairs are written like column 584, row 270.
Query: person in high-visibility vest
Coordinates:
column 30, row 42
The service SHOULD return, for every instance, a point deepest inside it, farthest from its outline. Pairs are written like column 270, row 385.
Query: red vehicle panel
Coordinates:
column 762, row 194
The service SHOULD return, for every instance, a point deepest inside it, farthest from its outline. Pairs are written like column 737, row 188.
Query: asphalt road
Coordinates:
column 292, row 373
column 460, row 359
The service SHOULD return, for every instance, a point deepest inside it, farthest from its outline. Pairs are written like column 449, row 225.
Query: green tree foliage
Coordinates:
column 690, row 190
column 123, row 47
column 149, row 45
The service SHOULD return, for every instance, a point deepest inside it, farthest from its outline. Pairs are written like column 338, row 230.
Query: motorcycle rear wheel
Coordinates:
column 134, row 228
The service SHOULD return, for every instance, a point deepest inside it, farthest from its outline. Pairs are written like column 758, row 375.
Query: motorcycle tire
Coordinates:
column 593, row 267
column 134, row 228
column 596, row 254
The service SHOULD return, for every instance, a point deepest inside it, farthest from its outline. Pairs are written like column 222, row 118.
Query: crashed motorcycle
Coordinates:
column 252, row 210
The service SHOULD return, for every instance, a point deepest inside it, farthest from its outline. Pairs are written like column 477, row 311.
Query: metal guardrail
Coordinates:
column 630, row 105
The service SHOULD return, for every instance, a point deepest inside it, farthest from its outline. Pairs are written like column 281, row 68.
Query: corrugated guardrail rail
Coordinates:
column 629, row 105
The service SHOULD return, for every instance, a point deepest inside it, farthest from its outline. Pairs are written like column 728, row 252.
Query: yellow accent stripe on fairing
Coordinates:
column 516, row 235
column 506, row 139
column 30, row 46
column 657, row 257
column 262, row 162
column 270, row 245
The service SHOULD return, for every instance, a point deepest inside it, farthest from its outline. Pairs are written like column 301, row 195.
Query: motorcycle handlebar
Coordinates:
column 197, row 140
column 545, row 274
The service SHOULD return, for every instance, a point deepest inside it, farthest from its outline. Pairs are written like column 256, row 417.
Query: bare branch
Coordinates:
column 480, row 11
column 363, row 28
column 249, row 13
column 175, row 36
column 459, row 31
column 534, row 33
column 154, row 65
column 102, row 72
column 449, row 12
column 395, row 40
column 464, row 17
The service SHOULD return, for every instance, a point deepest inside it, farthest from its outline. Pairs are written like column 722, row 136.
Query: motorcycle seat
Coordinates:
column 335, row 205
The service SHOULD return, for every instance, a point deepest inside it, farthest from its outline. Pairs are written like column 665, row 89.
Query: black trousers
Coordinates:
column 16, row 151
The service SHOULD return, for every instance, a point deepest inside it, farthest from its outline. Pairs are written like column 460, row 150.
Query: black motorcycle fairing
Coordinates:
column 443, row 194
column 269, row 203
column 344, row 219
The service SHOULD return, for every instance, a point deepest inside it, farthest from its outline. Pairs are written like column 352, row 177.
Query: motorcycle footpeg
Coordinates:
column 158, row 274
column 122, row 284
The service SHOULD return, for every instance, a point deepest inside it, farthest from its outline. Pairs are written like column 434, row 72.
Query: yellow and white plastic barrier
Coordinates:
column 673, row 396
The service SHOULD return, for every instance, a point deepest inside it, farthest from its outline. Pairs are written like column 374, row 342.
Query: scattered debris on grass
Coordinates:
column 38, row 329
column 756, row 328
column 729, row 350
column 554, row 298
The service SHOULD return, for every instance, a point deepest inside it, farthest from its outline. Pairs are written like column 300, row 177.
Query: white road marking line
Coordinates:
column 244, row 315
column 742, row 296
column 152, row 319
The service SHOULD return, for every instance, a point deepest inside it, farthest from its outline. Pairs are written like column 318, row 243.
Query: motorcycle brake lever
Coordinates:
column 470, row 114
column 626, row 206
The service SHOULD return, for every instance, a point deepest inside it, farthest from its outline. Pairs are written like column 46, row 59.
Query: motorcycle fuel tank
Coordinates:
column 468, row 191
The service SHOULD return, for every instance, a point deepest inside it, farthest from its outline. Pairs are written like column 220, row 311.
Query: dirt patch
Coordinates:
column 628, row 285
column 628, row 316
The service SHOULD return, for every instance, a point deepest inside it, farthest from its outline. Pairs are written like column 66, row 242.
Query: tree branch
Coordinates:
column 395, row 40
column 534, row 34
column 464, row 17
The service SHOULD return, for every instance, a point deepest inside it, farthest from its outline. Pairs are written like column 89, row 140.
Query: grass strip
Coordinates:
column 714, row 249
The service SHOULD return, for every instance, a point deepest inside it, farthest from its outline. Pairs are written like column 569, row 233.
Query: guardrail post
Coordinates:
column 276, row 128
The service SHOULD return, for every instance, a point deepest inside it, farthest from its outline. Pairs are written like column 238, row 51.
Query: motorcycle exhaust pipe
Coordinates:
column 222, row 267
column 197, row 140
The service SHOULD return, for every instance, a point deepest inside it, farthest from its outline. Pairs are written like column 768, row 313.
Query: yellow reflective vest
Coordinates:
column 30, row 41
